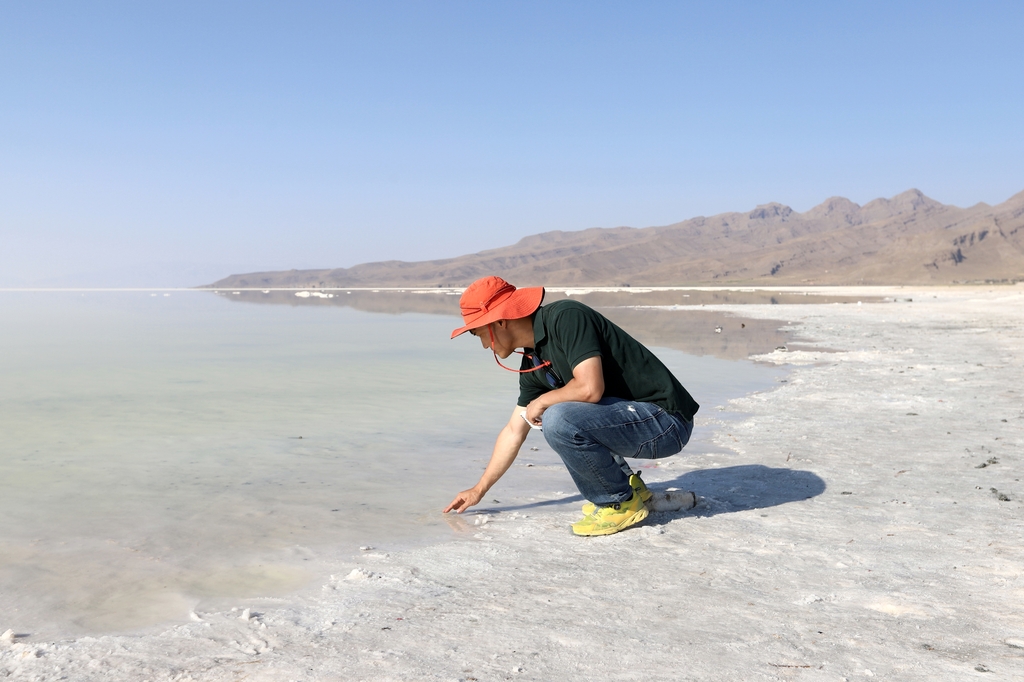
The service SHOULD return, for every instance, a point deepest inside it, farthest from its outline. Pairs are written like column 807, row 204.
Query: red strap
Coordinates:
column 542, row 365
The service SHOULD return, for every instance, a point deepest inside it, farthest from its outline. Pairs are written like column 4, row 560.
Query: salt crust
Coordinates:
column 901, row 563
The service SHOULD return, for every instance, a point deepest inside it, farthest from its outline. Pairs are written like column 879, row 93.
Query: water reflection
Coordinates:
column 693, row 331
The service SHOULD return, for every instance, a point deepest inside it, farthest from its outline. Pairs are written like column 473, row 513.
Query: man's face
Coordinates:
column 502, row 347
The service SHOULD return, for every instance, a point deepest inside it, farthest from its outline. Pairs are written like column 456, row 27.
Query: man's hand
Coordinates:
column 464, row 500
column 534, row 411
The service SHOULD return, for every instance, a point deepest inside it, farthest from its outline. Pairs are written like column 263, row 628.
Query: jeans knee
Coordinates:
column 557, row 428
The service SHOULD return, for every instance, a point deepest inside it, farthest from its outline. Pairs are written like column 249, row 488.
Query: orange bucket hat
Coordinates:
column 490, row 299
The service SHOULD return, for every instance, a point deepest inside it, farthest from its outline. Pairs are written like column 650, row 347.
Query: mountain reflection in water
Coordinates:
column 686, row 328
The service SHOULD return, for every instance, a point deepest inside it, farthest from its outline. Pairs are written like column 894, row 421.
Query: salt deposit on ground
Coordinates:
column 865, row 523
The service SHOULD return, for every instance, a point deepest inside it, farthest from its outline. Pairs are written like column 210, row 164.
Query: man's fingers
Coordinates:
column 463, row 501
column 457, row 504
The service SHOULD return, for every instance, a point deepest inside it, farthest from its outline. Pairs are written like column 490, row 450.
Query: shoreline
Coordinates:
column 848, row 531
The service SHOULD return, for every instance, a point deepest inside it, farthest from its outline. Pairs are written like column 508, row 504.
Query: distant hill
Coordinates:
column 908, row 239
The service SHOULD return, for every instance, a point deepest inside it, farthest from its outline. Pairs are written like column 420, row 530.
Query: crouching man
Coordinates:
column 598, row 393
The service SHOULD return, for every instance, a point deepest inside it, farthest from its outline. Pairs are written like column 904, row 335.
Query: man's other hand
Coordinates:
column 464, row 500
column 534, row 411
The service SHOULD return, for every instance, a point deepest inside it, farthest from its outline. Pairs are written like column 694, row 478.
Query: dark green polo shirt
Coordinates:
column 567, row 333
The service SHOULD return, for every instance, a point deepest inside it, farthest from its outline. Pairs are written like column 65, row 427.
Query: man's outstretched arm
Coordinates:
column 506, row 447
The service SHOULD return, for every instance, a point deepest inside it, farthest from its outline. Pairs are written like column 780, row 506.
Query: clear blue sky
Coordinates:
column 173, row 143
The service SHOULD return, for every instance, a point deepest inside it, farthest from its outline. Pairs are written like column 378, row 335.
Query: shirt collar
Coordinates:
column 539, row 331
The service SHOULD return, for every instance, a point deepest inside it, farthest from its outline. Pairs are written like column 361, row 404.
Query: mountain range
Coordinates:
column 908, row 239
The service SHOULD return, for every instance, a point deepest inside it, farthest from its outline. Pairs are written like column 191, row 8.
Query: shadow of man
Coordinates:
column 722, row 490
column 744, row 487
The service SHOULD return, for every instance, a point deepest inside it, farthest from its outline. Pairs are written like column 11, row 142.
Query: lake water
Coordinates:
column 165, row 451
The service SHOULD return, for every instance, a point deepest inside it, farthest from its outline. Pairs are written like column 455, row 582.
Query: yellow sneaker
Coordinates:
column 638, row 488
column 612, row 519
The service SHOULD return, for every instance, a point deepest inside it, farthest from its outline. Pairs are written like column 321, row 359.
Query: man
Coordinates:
column 597, row 392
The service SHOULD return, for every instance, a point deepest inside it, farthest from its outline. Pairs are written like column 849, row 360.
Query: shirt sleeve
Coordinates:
column 576, row 332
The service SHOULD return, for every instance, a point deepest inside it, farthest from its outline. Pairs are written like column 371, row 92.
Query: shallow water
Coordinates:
column 165, row 451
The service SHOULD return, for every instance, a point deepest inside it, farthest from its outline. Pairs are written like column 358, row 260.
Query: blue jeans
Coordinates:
column 592, row 439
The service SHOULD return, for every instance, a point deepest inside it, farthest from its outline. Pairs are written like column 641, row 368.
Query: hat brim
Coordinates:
column 522, row 303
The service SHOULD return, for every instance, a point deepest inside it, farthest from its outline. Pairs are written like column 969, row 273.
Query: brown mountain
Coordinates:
column 908, row 239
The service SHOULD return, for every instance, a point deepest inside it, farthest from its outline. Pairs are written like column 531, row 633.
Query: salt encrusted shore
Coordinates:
column 864, row 521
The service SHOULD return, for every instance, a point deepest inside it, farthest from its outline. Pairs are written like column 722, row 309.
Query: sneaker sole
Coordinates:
column 589, row 507
column 636, row 518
